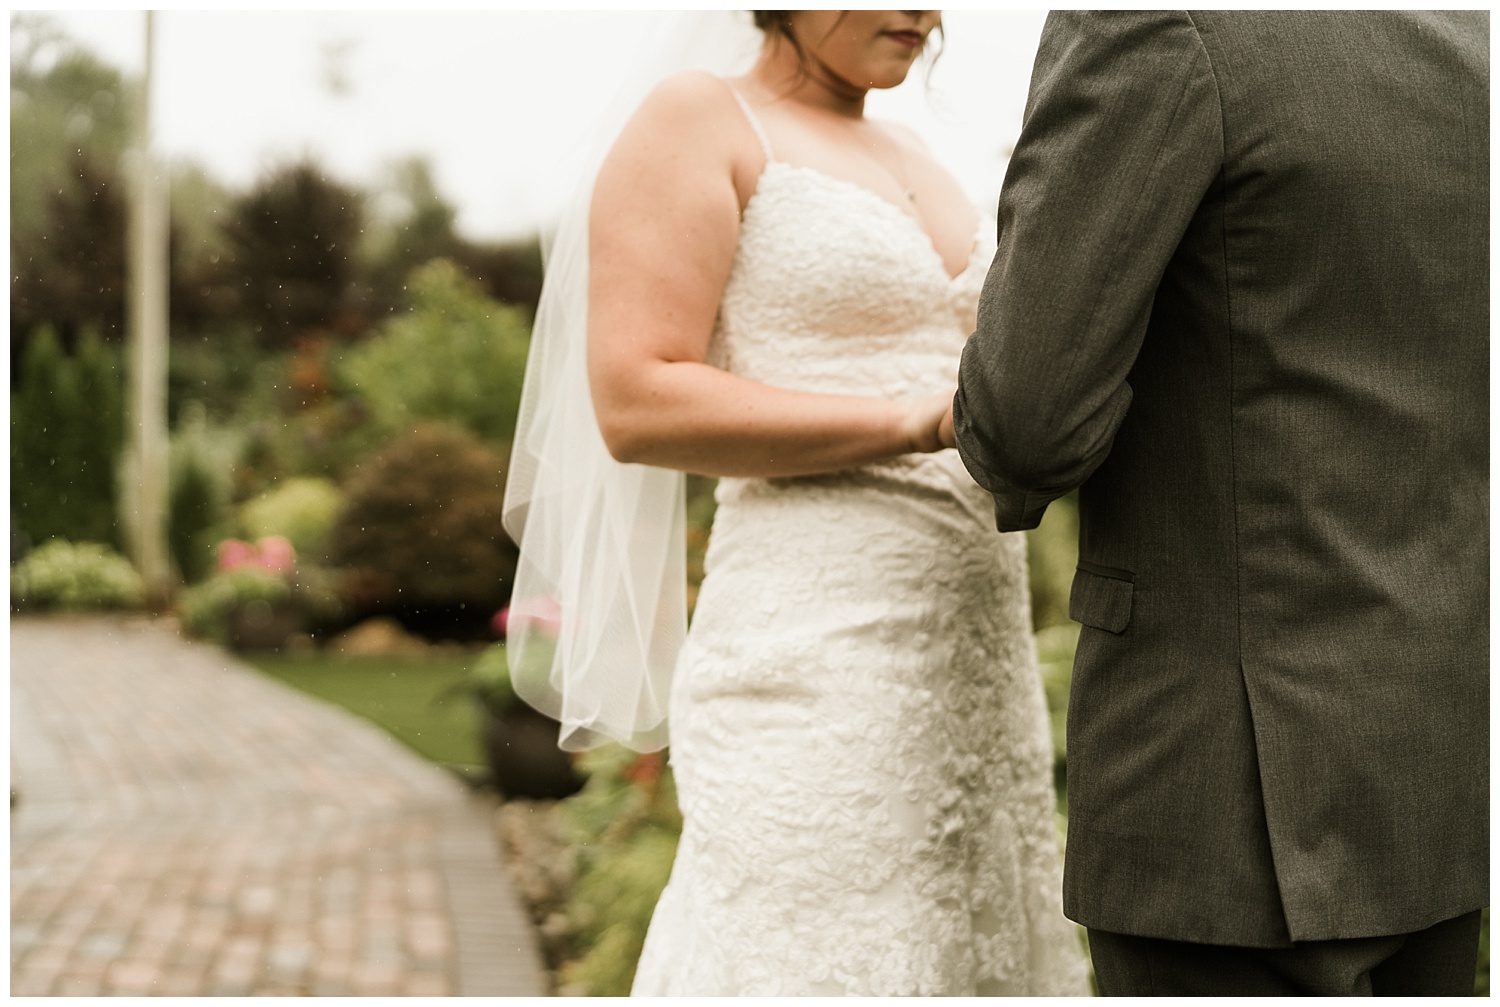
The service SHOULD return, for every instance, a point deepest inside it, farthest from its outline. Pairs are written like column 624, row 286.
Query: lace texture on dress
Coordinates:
column 860, row 739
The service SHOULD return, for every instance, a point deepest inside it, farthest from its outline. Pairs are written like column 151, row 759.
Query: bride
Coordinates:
column 778, row 291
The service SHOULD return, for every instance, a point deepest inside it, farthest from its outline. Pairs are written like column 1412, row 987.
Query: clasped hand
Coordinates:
column 928, row 424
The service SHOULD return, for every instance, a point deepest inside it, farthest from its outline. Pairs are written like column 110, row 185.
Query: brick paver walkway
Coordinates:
column 187, row 827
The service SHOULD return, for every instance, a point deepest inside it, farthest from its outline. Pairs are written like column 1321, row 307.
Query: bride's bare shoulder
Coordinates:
column 691, row 122
column 690, row 99
column 692, row 86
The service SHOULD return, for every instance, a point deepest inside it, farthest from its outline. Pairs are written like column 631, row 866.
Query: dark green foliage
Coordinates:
column 203, row 295
column 66, row 432
column 293, row 239
column 420, row 228
column 456, row 357
column 197, row 513
column 200, row 476
column 70, row 272
column 220, row 369
column 421, row 527
column 418, row 231
column 510, row 271
column 69, row 125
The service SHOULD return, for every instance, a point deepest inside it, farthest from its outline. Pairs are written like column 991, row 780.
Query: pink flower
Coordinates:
column 543, row 613
column 645, row 770
column 272, row 553
column 276, row 554
column 234, row 554
column 500, row 621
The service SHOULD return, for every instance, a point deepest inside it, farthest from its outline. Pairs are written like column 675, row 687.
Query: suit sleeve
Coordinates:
column 1122, row 138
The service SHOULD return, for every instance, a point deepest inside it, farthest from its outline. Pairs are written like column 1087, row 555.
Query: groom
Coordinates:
column 1241, row 303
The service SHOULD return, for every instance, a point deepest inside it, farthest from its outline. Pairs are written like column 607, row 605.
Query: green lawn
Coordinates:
column 417, row 700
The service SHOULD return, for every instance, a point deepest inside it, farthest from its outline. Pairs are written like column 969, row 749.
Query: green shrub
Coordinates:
column 222, row 370
column 324, row 442
column 456, row 357
column 490, row 680
column 421, row 528
column 72, row 577
column 205, row 608
column 201, row 460
column 254, row 608
column 304, row 509
column 624, row 827
column 66, row 431
column 192, row 505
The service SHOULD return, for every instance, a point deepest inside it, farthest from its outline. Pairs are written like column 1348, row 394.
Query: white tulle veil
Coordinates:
column 598, row 613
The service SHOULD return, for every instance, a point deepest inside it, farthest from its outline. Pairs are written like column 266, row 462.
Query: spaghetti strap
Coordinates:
column 760, row 133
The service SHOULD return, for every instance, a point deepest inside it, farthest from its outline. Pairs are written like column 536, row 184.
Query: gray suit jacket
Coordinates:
column 1241, row 301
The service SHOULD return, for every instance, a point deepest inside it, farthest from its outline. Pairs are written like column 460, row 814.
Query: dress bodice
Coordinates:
column 834, row 289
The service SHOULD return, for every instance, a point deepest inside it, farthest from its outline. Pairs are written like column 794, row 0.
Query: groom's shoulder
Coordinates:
column 1121, row 20
column 1105, row 34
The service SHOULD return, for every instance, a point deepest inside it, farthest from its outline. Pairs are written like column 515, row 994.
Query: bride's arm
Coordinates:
column 663, row 228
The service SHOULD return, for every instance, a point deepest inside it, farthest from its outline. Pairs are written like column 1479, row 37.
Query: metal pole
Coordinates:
column 148, row 336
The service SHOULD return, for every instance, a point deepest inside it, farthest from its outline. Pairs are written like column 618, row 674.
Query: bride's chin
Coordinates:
column 886, row 83
column 888, row 77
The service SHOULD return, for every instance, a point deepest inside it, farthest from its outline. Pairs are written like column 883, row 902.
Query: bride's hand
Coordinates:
column 928, row 424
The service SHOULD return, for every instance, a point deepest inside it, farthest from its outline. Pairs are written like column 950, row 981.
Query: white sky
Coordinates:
column 495, row 100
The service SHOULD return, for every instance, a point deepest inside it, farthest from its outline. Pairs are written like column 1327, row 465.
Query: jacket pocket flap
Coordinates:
column 1100, row 601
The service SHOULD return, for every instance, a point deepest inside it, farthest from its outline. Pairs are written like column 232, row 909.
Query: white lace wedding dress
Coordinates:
column 859, row 734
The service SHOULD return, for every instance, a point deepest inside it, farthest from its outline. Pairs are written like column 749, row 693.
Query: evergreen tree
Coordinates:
column 67, row 427
column 70, row 275
column 293, row 239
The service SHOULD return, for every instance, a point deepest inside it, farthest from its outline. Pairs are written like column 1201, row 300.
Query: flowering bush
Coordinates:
column 303, row 509
column 274, row 554
column 71, row 577
column 542, row 612
column 258, row 596
column 623, row 826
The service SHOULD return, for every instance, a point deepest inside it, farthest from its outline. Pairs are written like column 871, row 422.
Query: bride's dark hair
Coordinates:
column 779, row 22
